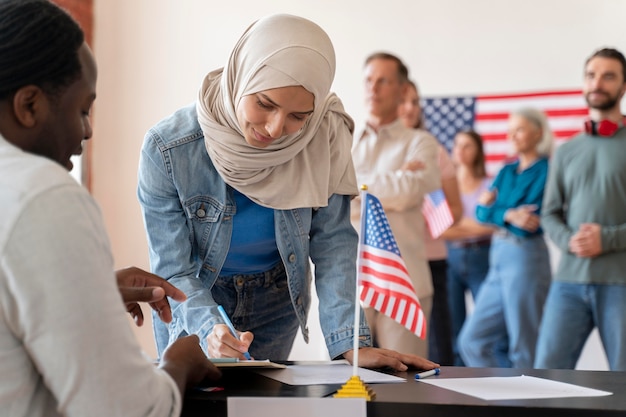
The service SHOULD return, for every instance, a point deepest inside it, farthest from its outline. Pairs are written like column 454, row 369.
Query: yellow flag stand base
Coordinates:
column 355, row 388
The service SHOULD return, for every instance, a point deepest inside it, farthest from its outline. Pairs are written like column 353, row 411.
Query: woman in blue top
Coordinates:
column 508, row 310
column 241, row 190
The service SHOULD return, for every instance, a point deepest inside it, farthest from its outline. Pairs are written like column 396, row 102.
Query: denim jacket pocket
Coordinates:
column 203, row 215
column 202, row 209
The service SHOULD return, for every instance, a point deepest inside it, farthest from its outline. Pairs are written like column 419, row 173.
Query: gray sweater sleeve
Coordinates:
column 553, row 211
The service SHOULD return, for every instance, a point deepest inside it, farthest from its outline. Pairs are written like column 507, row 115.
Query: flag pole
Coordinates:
column 354, row 387
column 357, row 303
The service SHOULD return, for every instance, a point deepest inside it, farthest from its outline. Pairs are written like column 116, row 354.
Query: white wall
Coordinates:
column 153, row 55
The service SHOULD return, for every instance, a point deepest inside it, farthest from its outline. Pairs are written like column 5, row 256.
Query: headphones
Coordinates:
column 604, row 128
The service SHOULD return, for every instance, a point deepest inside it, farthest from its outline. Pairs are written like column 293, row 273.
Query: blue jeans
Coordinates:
column 467, row 269
column 260, row 303
column 509, row 305
column 571, row 313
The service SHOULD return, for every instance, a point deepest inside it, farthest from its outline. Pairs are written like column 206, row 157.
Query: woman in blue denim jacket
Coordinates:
column 502, row 330
column 243, row 189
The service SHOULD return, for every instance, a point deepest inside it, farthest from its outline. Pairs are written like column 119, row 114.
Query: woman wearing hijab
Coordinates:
column 240, row 190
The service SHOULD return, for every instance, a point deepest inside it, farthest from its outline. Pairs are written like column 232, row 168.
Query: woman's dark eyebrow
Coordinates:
column 272, row 102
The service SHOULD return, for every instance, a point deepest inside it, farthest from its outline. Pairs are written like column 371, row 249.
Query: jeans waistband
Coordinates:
column 475, row 243
column 260, row 278
column 506, row 234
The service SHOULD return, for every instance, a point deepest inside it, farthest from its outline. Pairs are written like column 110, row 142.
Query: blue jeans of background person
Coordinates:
column 468, row 264
column 260, row 303
column 509, row 304
column 571, row 313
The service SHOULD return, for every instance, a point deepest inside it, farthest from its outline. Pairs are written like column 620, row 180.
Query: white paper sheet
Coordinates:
column 301, row 407
column 325, row 374
column 513, row 388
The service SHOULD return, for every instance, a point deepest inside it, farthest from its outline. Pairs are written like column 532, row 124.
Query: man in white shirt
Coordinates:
column 384, row 153
column 65, row 345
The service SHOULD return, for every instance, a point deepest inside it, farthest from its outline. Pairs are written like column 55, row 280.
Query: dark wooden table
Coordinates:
column 424, row 400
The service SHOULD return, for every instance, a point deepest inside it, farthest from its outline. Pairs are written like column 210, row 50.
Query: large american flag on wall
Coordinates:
column 488, row 115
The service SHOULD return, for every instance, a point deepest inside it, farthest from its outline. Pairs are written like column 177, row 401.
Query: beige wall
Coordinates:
column 153, row 54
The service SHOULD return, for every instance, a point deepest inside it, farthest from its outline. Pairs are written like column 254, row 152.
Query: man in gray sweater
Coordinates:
column 584, row 214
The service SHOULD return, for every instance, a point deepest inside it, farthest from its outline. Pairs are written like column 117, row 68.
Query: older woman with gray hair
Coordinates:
column 502, row 331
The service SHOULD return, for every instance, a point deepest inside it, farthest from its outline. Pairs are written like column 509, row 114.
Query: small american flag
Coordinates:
column 488, row 115
column 437, row 213
column 383, row 277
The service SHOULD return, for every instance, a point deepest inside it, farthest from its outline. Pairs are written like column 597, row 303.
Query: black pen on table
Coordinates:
column 231, row 327
column 426, row 374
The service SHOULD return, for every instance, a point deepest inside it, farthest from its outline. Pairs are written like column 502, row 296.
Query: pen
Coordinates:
column 224, row 360
column 231, row 327
column 425, row 374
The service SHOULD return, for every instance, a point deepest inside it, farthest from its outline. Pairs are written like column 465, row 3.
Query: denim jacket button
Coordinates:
column 200, row 213
column 292, row 258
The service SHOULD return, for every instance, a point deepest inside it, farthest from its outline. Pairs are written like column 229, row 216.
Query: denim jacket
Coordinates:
column 188, row 211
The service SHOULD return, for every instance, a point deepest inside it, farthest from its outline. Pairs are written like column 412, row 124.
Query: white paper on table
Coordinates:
column 325, row 374
column 301, row 407
column 514, row 388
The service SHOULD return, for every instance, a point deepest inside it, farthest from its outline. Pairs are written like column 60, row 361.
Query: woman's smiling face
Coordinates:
column 271, row 114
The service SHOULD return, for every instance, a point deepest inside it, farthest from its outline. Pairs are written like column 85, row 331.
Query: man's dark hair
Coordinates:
column 39, row 45
column 611, row 54
column 403, row 71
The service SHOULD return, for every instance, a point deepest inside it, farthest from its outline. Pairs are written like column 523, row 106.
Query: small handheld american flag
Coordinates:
column 437, row 213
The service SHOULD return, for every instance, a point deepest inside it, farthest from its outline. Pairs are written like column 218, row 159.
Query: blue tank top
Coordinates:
column 253, row 242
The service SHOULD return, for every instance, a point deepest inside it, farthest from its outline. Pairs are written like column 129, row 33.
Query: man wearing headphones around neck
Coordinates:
column 584, row 214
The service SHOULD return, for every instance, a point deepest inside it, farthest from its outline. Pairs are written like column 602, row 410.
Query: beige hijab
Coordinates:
column 299, row 170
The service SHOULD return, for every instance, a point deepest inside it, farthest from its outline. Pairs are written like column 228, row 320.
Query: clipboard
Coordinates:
column 238, row 363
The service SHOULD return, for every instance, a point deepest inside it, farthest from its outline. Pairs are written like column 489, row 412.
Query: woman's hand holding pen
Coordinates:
column 222, row 344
